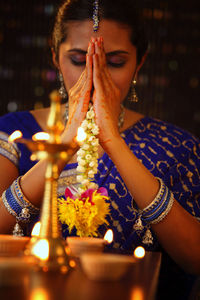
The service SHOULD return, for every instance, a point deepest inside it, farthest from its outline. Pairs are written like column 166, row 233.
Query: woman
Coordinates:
column 98, row 50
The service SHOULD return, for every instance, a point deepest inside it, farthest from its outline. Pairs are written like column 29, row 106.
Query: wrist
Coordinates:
column 112, row 143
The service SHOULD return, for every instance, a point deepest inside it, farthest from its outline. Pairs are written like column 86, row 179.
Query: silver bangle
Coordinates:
column 18, row 205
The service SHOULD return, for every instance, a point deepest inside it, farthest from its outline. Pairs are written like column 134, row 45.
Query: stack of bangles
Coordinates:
column 156, row 211
column 18, row 206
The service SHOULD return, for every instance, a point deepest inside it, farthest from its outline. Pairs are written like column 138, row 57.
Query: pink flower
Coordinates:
column 87, row 194
column 69, row 194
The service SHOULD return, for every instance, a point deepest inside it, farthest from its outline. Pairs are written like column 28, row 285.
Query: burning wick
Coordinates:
column 81, row 135
column 36, row 229
column 139, row 252
column 15, row 135
column 108, row 237
column 40, row 136
column 41, row 249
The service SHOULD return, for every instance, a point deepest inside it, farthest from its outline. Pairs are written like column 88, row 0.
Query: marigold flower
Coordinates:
column 85, row 213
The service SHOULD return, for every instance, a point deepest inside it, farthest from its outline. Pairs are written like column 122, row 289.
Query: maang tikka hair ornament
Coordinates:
column 95, row 15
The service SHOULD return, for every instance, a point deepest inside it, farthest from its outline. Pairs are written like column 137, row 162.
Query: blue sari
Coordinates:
column 165, row 150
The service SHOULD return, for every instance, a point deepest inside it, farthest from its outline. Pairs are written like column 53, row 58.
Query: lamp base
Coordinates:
column 49, row 254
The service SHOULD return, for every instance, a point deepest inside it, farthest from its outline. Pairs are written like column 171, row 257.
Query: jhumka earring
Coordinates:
column 62, row 90
column 133, row 96
column 66, row 113
column 95, row 15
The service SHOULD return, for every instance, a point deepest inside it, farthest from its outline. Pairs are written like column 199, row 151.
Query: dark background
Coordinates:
column 168, row 84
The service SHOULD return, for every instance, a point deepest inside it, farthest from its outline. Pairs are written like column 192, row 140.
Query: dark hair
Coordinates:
column 123, row 11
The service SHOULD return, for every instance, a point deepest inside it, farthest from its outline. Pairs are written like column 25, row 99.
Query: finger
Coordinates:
column 103, row 58
column 89, row 71
column 78, row 85
column 86, row 74
column 97, row 75
column 91, row 47
column 99, row 49
column 85, row 93
column 105, row 74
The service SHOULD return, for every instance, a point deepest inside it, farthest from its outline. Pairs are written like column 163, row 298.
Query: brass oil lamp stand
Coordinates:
column 49, row 249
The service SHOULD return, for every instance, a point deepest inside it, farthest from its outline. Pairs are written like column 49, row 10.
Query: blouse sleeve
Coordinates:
column 9, row 150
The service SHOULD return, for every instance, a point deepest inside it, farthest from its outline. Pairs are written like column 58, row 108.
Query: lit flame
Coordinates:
column 139, row 252
column 108, row 237
column 137, row 293
column 39, row 294
column 41, row 249
column 15, row 135
column 81, row 135
column 40, row 136
column 36, row 229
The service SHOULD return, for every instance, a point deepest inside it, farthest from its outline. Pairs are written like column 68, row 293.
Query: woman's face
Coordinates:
column 120, row 53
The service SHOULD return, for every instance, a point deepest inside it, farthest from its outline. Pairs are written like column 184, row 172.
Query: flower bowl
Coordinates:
column 80, row 245
column 12, row 245
column 105, row 266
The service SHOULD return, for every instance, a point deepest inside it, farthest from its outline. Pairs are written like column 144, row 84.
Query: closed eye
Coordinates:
column 116, row 59
column 115, row 65
column 78, row 59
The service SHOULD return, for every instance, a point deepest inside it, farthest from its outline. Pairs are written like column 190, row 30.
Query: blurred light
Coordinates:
column 38, row 105
column 173, row 65
column 51, row 75
column 81, row 135
column 39, row 41
column 63, row 269
column 182, row 49
column 12, row 106
column 147, row 13
column 41, row 249
column 108, row 237
column 194, row 82
column 39, row 91
column 158, row 14
column 39, row 294
column 196, row 116
column 49, row 9
column 160, row 81
column 143, row 79
column 36, row 229
column 137, row 293
column 167, row 48
column 139, row 252
column 72, row 263
column 25, row 41
column 15, row 135
column 41, row 136
column 6, row 73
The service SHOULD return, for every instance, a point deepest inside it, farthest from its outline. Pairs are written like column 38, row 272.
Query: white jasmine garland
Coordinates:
column 86, row 146
column 80, row 169
column 87, row 155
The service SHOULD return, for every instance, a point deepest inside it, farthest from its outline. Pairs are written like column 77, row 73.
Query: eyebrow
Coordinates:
column 116, row 52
